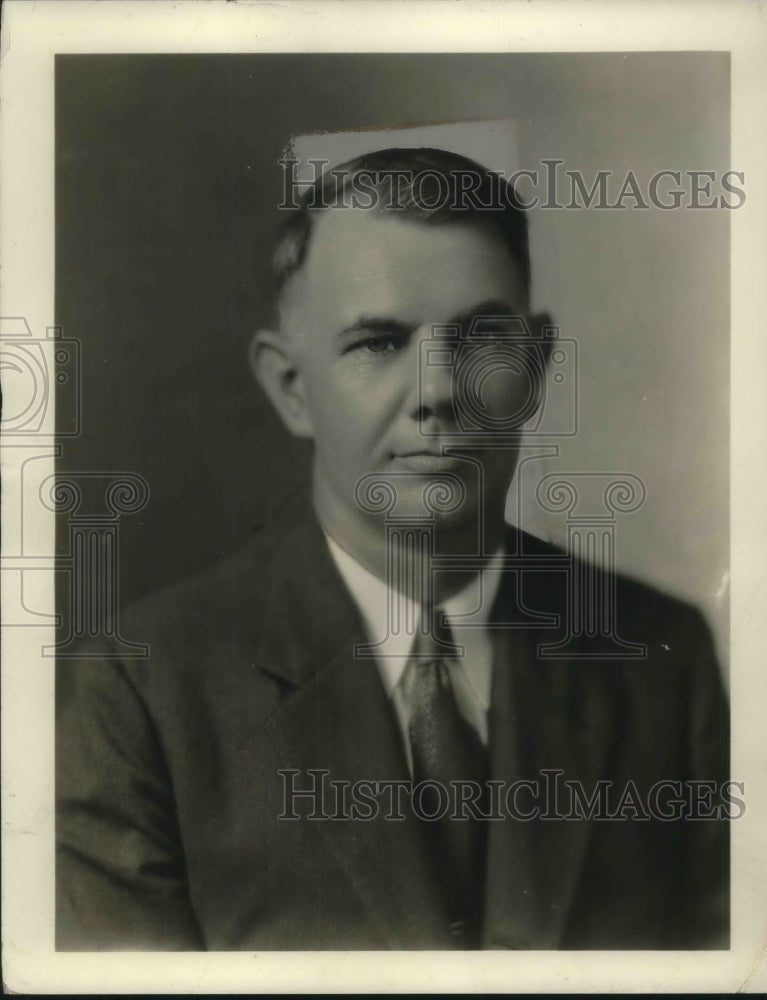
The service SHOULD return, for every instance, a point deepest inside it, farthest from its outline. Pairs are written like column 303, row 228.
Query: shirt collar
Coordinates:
column 470, row 606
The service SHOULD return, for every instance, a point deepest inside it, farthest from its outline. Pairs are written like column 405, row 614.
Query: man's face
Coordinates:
column 369, row 293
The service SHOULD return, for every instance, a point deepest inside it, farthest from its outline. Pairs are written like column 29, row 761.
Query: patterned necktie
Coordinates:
column 445, row 748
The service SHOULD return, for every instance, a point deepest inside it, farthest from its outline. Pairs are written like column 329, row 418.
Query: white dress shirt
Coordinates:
column 466, row 612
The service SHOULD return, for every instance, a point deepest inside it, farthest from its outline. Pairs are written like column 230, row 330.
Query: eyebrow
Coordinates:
column 382, row 324
column 372, row 324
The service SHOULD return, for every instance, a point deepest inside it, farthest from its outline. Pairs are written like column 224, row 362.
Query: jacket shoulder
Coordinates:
column 634, row 597
column 238, row 587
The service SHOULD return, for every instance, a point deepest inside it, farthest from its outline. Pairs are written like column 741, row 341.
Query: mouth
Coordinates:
column 426, row 462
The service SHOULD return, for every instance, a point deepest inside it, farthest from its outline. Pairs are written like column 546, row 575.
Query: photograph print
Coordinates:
column 393, row 530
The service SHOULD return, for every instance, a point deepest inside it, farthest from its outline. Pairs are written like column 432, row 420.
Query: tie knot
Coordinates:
column 434, row 639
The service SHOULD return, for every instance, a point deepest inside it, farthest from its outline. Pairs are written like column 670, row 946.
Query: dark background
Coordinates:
column 166, row 190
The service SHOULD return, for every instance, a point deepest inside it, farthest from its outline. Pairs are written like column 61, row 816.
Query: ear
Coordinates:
column 272, row 361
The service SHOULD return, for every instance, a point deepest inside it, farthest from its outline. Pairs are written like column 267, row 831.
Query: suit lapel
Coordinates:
column 541, row 719
column 336, row 716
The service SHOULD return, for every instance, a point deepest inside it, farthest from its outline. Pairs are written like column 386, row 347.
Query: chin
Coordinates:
column 445, row 509
column 441, row 498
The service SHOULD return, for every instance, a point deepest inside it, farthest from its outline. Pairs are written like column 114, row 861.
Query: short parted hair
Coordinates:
column 431, row 186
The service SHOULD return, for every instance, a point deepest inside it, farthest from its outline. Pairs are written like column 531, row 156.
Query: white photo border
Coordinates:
column 32, row 34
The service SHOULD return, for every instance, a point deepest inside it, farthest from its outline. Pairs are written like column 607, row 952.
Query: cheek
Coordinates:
column 505, row 392
column 496, row 389
column 346, row 425
column 359, row 403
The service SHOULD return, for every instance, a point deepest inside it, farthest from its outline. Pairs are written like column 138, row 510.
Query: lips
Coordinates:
column 427, row 462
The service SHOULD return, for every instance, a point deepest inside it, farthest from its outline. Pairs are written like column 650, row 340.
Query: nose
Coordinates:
column 432, row 399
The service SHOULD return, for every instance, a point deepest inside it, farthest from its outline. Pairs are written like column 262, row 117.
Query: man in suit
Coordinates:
column 353, row 734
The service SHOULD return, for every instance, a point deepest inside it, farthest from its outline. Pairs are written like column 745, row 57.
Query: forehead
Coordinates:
column 373, row 263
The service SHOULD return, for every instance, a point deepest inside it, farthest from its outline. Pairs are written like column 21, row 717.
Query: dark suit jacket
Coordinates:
column 169, row 792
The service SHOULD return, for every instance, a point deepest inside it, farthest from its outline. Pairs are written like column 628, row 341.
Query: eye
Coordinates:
column 384, row 343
